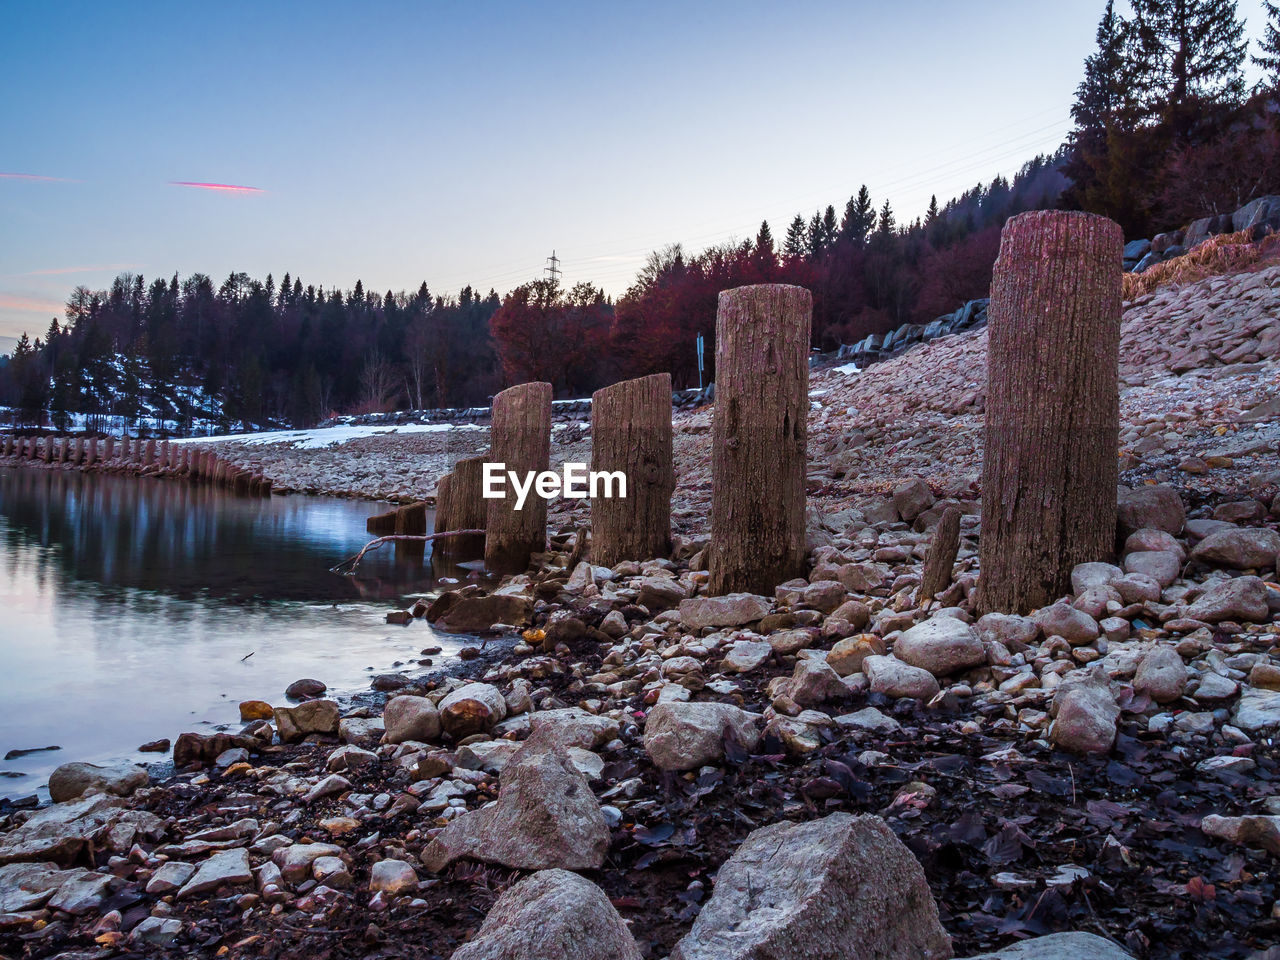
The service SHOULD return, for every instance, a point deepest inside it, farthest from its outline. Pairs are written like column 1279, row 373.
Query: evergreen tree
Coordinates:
column 797, row 243
column 1101, row 93
column 813, row 236
column 859, row 217
column 887, row 223
column 764, row 251
column 1186, row 55
column 1269, row 47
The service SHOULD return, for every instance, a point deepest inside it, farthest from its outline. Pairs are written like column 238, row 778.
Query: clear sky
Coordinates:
column 462, row 142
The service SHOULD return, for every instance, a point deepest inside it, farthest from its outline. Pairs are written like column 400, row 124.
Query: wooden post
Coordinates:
column 8, row 445
column 64, row 449
column 91, row 455
column 631, row 434
column 47, row 449
column 759, row 429
column 108, row 449
column 520, row 438
column 77, row 456
column 1050, row 466
column 460, row 505
column 941, row 558
column 149, row 454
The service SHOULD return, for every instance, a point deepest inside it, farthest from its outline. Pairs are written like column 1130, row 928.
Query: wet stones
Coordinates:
column 72, row 780
column 304, row 689
column 731, row 610
column 684, row 736
column 411, row 718
column 393, row 878
column 477, row 614
column 226, row 868
column 472, row 708
column 311, row 716
column 829, row 885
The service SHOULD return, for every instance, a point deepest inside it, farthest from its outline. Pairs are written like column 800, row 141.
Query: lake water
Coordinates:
column 137, row 609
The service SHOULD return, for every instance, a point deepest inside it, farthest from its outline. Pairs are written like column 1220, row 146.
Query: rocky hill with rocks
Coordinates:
column 631, row 768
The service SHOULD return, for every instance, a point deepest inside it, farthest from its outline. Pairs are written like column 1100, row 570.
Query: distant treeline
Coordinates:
column 1165, row 131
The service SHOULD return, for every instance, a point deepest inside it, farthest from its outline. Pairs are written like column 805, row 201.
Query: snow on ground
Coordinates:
column 324, row 437
column 847, row 368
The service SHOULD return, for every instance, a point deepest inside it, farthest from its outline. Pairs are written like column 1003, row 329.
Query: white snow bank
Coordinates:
column 322, row 437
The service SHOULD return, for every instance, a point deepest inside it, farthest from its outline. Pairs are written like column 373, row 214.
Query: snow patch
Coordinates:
column 322, row 438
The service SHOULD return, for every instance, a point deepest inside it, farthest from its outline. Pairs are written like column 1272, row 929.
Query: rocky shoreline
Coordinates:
column 647, row 771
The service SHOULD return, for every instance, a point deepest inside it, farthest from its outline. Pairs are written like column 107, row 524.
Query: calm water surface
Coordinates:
column 136, row 609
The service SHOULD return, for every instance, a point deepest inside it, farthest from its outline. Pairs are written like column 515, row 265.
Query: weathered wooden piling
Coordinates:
column 77, row 454
column 149, row 454
column 91, row 454
column 520, row 438
column 460, row 505
column 941, row 557
column 64, row 449
column 631, row 435
column 1050, row 466
column 758, row 438
column 8, row 445
column 46, row 449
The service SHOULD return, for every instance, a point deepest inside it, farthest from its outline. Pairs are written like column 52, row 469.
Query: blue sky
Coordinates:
column 462, row 143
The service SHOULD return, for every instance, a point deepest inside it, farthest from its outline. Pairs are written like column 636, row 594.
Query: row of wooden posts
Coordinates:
column 136, row 455
column 1050, row 468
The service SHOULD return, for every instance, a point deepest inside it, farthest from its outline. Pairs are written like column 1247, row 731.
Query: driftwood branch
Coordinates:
column 379, row 541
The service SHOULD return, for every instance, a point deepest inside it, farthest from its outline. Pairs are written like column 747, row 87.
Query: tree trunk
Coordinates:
column 631, row 433
column 460, row 505
column 1050, row 469
column 520, row 438
column 941, row 558
column 759, row 429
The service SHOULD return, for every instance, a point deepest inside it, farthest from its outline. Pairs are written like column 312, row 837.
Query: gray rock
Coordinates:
column 893, row 678
column 311, row 716
column 295, row 861
column 410, row 718
column 301, row 689
column 1162, row 675
column 1085, row 717
column 71, row 780
column 1238, row 599
column 1157, row 507
column 1257, row 830
column 552, row 915
column 63, row 831
column 743, row 656
column 1011, row 630
column 1152, row 539
column 912, row 498
column 1086, row 575
column 1159, row 565
column 684, row 736
column 732, row 610
column 825, row 595
column 393, row 878
column 488, row 755
column 349, row 757
column 830, row 889
column 170, row 877
column 573, row 727
column 814, row 682
column 1257, row 710
column 941, row 645
column 863, row 577
column 1243, row 548
column 29, row 886
column 472, row 708
column 82, row 894
column 545, row 816
column 1063, row 620
column 869, row 719
column 226, row 868
column 660, row 593
column 156, row 931
column 1059, row 946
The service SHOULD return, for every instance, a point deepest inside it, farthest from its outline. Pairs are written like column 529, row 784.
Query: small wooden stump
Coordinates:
column 64, row 449
column 1050, row 468
column 759, row 431
column 149, row 454
column 77, row 455
column 381, row 524
column 8, row 446
column 520, row 438
column 47, row 452
column 460, row 505
column 126, row 450
column 941, row 558
column 108, row 449
column 631, row 434
column 91, row 454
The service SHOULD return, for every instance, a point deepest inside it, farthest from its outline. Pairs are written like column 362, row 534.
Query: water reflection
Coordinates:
column 136, row 609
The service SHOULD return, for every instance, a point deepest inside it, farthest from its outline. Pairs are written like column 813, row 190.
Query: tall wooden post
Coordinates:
column 520, row 439
column 460, row 505
column 149, row 454
column 631, row 434
column 47, row 449
column 1050, row 468
column 108, row 449
column 64, row 449
column 759, row 429
column 91, row 455
column 77, row 455
column 8, row 445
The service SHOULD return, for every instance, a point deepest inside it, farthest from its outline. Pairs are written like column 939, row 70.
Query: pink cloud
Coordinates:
column 36, row 176
column 219, row 187
column 99, row 268
column 13, row 301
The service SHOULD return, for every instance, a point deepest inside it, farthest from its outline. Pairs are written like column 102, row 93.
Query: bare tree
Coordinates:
column 377, row 384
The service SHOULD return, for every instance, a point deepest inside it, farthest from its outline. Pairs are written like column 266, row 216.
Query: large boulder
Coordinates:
column 732, row 610
column 207, row 747
column 476, row 614
column 1060, row 946
column 569, row 727
column 893, row 678
column 839, row 888
column 912, row 498
column 410, row 718
column 545, row 816
column 1242, row 548
column 472, row 708
column 1086, row 575
column 1161, row 566
column 551, row 915
column 64, row 831
column 72, row 780
column 1157, row 507
column 1257, row 710
column 308, row 717
column 685, row 736
column 942, row 645
column 1085, row 717
column 29, row 886
column 1061, row 619
column 1240, row 599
